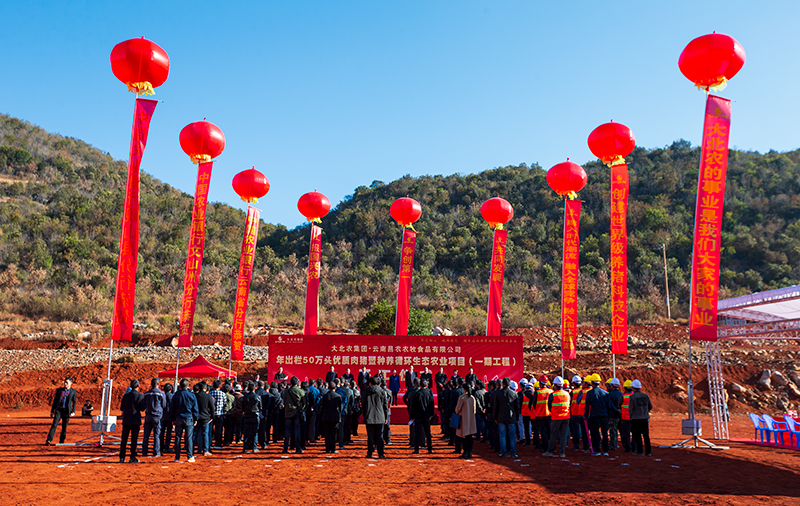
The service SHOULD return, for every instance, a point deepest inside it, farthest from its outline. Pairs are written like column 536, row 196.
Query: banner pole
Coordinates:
column 110, row 349
column 177, row 363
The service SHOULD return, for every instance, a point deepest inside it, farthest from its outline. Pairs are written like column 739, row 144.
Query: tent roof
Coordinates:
column 769, row 306
column 198, row 368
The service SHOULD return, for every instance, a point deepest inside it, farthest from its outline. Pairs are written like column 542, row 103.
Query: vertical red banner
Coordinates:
column 569, row 279
column 243, row 283
column 496, row 283
column 194, row 256
column 404, row 285
column 619, row 259
column 312, row 292
column 708, row 220
column 124, row 294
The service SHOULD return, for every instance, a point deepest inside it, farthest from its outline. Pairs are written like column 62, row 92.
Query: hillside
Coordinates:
column 61, row 208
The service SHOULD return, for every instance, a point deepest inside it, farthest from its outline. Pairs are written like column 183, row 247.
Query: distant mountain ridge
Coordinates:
column 61, row 207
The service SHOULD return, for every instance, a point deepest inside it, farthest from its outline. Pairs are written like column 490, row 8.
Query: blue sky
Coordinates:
column 333, row 95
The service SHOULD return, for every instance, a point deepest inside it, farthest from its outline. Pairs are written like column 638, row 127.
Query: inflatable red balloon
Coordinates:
column 611, row 142
column 497, row 212
column 202, row 141
column 314, row 205
column 405, row 211
column 250, row 185
column 566, row 179
column 711, row 60
column 141, row 64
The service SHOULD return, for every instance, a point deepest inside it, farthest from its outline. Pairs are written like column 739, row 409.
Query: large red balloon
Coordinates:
column 202, row 141
column 405, row 211
column 497, row 212
column 611, row 142
column 711, row 60
column 314, row 205
column 141, row 64
column 566, row 178
column 250, row 185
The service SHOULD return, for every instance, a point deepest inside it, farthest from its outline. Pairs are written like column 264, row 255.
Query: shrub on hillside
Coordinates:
column 381, row 318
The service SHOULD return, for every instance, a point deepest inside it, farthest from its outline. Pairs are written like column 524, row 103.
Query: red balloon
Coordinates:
column 497, row 212
column 405, row 211
column 711, row 60
column 566, row 178
column 611, row 142
column 202, row 141
column 314, row 205
column 141, row 64
column 250, row 185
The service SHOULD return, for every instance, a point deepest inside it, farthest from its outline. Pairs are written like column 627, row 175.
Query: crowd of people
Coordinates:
column 543, row 413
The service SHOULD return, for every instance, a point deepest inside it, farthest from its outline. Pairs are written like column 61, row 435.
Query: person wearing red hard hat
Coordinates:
column 541, row 412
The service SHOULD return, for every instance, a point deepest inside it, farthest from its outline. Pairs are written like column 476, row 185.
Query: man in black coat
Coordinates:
column 411, row 375
column 505, row 412
column 408, row 399
column 251, row 405
column 376, row 415
column 471, row 377
column 331, row 375
column 330, row 413
column 421, row 411
column 348, row 375
column 132, row 406
column 61, row 409
column 205, row 409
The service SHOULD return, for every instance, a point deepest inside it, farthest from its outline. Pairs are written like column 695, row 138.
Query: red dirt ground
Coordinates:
column 745, row 474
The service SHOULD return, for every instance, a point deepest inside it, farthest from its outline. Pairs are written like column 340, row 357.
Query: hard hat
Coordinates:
column 558, row 381
column 627, row 383
column 536, row 384
column 636, row 384
column 529, row 386
column 523, row 381
column 596, row 378
column 544, row 379
column 614, row 381
column 576, row 379
column 513, row 385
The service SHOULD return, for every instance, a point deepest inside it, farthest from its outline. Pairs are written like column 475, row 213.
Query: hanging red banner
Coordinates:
column 404, row 285
column 708, row 220
column 619, row 259
column 312, row 292
column 569, row 279
column 194, row 257
column 243, row 284
column 496, row 283
column 124, row 294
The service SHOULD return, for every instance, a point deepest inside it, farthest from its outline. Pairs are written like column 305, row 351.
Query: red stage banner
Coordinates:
column 708, row 220
column 312, row 356
column 569, row 279
column 312, row 292
column 619, row 259
column 243, row 284
column 404, row 285
column 496, row 283
column 194, row 257
column 124, row 294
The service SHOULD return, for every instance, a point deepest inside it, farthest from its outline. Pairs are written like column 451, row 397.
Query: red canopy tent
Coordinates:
column 198, row 368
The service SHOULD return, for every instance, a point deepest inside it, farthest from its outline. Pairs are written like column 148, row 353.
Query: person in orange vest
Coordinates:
column 625, row 424
column 541, row 412
column 558, row 405
column 528, row 402
column 577, row 427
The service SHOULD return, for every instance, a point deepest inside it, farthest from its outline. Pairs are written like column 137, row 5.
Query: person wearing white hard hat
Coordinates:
column 577, row 426
column 640, row 407
column 614, row 413
column 558, row 403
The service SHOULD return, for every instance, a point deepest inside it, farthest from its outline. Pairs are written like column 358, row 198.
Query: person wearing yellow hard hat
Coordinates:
column 597, row 410
column 625, row 422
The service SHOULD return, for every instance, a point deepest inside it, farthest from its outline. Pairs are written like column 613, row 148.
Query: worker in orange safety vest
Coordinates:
column 559, row 405
column 577, row 427
column 541, row 412
column 625, row 424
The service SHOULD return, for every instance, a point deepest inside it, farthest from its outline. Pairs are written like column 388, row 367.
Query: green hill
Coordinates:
column 61, row 208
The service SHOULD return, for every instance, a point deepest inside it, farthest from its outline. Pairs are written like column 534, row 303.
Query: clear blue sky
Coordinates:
column 337, row 94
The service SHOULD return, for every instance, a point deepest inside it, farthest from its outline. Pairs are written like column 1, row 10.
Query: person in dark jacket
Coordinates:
column 427, row 375
column 597, row 409
column 376, row 415
column 394, row 385
column 205, row 414
column 348, row 376
column 640, row 407
column 167, row 419
column 471, row 377
column 331, row 375
column 504, row 410
column 440, row 380
column 421, row 411
column 294, row 405
column 411, row 375
column 331, row 414
column 132, row 406
column 155, row 404
column 346, row 399
column 408, row 399
column 614, row 413
column 62, row 407
column 184, row 416
column 251, row 406
column 452, row 400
